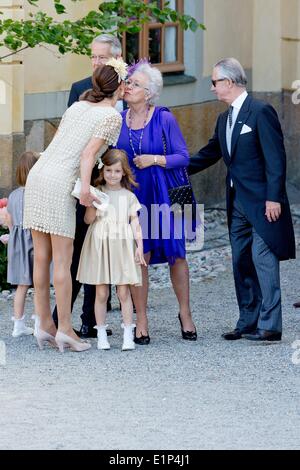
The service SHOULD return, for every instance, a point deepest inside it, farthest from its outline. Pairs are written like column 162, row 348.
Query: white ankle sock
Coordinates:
column 19, row 327
column 128, row 343
column 102, row 337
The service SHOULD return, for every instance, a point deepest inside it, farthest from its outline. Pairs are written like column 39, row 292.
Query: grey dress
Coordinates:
column 20, row 247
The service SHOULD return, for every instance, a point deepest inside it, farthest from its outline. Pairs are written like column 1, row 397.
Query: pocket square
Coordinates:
column 245, row 129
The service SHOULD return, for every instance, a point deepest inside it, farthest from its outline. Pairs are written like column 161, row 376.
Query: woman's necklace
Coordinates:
column 142, row 133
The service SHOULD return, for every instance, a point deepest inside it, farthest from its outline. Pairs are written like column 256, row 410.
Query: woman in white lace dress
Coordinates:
column 85, row 131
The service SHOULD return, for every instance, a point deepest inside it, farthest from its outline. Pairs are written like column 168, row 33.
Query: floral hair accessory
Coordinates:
column 119, row 66
column 4, row 238
column 135, row 65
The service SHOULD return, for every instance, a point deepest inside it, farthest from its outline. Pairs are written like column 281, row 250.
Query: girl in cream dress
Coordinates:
column 113, row 248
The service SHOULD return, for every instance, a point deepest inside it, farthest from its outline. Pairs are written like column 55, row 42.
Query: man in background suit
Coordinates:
column 103, row 48
column 249, row 138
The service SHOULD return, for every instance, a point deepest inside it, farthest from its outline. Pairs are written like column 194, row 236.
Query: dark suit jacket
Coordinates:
column 257, row 167
column 78, row 88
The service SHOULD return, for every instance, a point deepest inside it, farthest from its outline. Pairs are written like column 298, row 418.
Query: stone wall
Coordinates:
column 197, row 123
column 11, row 147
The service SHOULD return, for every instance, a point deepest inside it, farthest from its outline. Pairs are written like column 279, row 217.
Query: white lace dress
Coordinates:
column 48, row 204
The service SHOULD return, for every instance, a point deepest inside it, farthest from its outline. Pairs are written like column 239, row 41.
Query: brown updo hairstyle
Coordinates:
column 110, row 158
column 105, row 83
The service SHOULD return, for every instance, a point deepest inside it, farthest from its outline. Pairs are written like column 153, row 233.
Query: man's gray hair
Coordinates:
column 113, row 41
column 155, row 84
column 231, row 68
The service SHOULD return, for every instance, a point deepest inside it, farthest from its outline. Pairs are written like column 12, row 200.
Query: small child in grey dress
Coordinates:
column 20, row 246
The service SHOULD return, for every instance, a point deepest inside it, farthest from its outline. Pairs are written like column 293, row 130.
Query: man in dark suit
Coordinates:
column 103, row 48
column 249, row 138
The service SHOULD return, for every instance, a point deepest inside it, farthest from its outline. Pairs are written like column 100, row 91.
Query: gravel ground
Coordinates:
column 172, row 394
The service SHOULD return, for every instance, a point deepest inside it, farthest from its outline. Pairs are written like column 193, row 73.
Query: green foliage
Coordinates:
column 116, row 16
column 3, row 263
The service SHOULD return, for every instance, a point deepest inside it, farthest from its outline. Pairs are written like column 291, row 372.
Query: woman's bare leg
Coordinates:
column 179, row 273
column 140, row 299
column 62, row 248
column 41, row 279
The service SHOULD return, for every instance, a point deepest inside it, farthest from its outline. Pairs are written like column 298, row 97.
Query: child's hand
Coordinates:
column 139, row 257
column 4, row 238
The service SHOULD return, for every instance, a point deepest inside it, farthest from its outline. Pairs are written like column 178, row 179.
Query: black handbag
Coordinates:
column 183, row 194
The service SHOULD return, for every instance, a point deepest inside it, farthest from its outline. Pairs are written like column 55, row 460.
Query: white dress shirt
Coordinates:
column 119, row 106
column 237, row 104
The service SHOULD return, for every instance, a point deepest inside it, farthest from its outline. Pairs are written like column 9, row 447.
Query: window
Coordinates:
column 161, row 43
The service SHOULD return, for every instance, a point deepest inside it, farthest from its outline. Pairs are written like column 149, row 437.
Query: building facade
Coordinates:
column 263, row 36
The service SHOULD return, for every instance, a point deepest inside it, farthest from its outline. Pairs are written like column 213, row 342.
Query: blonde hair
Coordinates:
column 26, row 162
column 110, row 158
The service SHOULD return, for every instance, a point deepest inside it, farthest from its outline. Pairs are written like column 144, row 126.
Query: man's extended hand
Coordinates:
column 273, row 211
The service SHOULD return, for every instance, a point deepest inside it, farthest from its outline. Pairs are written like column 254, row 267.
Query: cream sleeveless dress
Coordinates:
column 48, row 204
column 107, row 255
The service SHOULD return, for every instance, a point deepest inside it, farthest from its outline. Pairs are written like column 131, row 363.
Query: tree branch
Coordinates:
column 14, row 52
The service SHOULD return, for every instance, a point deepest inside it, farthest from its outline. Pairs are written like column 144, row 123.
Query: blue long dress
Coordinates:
column 160, row 236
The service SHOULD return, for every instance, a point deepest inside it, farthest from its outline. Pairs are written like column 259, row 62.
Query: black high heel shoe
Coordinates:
column 188, row 335
column 143, row 340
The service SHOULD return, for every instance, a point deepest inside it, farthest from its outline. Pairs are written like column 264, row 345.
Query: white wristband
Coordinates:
column 155, row 160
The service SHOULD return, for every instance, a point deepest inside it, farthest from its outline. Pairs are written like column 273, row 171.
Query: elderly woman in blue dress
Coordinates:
column 158, row 155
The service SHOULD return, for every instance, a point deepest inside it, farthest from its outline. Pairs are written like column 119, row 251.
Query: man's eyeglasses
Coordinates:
column 135, row 85
column 214, row 82
column 99, row 58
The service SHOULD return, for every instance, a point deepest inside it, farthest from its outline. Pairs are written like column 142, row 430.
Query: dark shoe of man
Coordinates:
column 234, row 335
column 90, row 332
column 296, row 305
column 263, row 335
